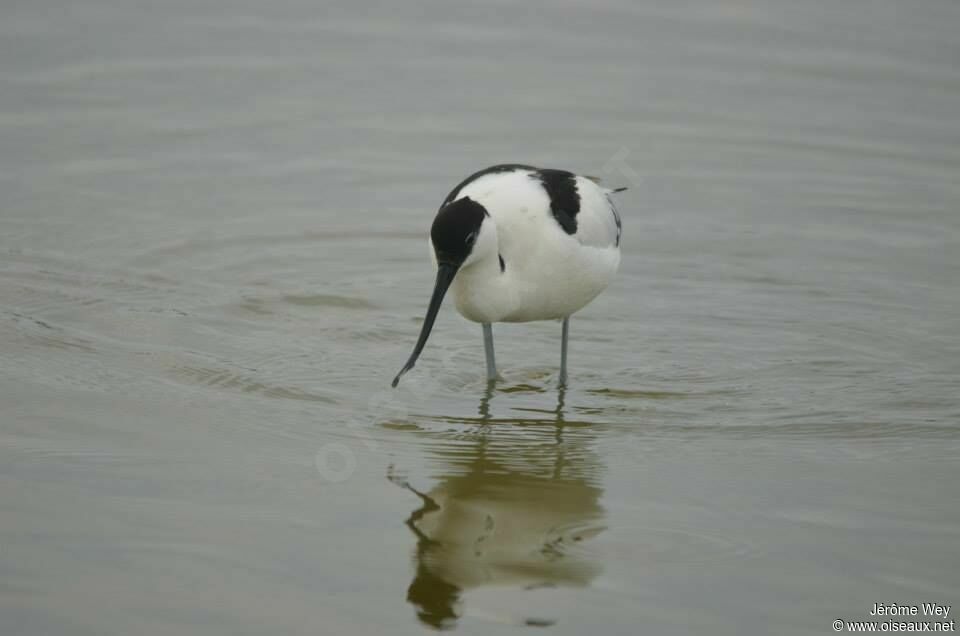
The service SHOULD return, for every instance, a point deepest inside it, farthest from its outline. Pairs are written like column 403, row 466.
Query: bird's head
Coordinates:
column 462, row 235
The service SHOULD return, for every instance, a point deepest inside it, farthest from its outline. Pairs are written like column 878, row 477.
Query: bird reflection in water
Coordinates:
column 514, row 507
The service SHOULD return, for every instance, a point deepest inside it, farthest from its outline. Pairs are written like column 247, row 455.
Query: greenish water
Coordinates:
column 213, row 260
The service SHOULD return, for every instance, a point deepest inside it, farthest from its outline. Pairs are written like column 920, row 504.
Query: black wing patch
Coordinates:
column 616, row 216
column 561, row 187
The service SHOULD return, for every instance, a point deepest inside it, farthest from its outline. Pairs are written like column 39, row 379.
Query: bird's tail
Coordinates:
column 599, row 182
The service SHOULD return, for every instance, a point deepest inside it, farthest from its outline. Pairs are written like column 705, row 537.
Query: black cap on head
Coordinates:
column 455, row 230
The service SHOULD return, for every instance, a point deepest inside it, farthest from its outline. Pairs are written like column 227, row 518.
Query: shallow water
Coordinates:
column 213, row 262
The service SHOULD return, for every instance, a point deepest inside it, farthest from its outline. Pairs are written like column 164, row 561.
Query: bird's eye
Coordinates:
column 471, row 237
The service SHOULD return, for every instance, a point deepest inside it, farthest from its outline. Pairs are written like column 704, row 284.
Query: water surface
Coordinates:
column 212, row 227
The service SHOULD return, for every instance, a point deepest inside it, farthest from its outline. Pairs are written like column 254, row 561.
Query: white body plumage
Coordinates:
column 547, row 273
column 518, row 243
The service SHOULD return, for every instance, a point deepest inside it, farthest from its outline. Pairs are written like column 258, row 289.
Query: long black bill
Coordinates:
column 445, row 274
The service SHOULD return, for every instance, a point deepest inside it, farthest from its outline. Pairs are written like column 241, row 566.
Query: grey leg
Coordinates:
column 563, row 351
column 488, row 349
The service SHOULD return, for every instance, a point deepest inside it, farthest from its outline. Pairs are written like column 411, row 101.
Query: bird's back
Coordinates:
column 558, row 233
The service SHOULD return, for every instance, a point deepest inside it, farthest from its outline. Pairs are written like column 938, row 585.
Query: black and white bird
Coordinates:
column 516, row 243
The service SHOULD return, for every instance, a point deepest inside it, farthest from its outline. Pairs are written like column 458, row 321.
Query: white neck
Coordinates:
column 482, row 292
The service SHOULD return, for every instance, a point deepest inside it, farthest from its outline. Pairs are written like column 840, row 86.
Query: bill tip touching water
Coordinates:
column 515, row 243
